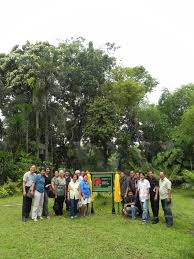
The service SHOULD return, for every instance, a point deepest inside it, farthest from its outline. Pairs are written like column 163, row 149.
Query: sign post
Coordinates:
column 103, row 182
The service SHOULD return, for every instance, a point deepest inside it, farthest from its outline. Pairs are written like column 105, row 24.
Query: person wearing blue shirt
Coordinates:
column 38, row 191
column 85, row 195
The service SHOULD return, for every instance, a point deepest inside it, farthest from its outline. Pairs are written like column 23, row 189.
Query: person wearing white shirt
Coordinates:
column 143, row 190
column 166, row 198
column 73, row 195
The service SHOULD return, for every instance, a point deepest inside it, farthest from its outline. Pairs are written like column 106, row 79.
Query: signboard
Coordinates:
column 102, row 182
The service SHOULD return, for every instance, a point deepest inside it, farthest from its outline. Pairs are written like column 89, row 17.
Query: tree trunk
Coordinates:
column 46, row 132
column 37, row 135
column 27, row 137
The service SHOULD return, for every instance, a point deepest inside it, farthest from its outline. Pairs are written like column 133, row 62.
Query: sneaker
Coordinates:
column 40, row 217
column 72, row 217
column 48, row 217
column 35, row 220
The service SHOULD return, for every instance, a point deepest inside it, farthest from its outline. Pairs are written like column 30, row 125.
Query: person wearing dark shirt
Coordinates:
column 130, row 208
column 46, row 190
column 123, row 187
column 131, row 183
column 68, row 180
column 154, row 196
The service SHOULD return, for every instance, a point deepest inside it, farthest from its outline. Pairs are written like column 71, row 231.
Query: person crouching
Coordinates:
column 130, row 208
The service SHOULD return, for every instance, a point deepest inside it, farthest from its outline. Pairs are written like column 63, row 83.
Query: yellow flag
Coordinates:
column 117, row 189
column 90, row 183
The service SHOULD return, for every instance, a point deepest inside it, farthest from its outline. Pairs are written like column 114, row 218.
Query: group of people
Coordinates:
column 74, row 190
column 137, row 191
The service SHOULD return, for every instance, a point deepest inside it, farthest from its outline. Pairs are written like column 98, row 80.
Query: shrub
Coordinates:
column 3, row 192
column 11, row 187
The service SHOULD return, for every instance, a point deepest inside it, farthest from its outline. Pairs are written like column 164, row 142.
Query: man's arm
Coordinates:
column 81, row 190
column 156, row 192
column 23, row 187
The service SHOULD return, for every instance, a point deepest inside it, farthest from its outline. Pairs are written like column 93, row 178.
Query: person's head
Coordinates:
column 130, row 193
column 47, row 170
column 75, row 177
column 82, row 173
column 67, row 174
column 56, row 173
column 132, row 174
column 42, row 171
column 122, row 174
column 137, row 175
column 162, row 175
column 61, row 173
column 77, row 172
column 85, row 177
column 33, row 168
column 142, row 176
column 151, row 175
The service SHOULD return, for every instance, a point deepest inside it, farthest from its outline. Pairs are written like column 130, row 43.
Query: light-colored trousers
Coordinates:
column 38, row 204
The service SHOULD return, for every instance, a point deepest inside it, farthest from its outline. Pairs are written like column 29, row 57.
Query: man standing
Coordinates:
column 27, row 197
column 165, row 196
column 143, row 189
column 123, row 188
column 38, row 190
column 47, row 188
column 131, row 185
column 68, row 180
column 154, row 196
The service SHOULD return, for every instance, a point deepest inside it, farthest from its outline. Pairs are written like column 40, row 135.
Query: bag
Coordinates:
column 56, row 207
column 50, row 193
column 30, row 194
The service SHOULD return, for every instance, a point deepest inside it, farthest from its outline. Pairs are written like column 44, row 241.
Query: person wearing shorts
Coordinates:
column 85, row 195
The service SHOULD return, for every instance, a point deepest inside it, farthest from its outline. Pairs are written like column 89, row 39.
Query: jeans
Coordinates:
column 45, row 205
column 131, row 211
column 73, row 207
column 167, row 212
column 38, row 204
column 26, row 205
column 144, row 207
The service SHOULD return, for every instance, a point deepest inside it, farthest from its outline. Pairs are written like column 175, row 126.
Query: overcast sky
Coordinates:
column 158, row 34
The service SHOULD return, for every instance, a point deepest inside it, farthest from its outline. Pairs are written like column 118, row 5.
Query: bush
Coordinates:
column 8, row 189
column 3, row 192
column 11, row 187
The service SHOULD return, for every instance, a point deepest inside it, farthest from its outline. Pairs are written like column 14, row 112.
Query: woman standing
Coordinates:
column 73, row 195
column 60, row 193
column 85, row 195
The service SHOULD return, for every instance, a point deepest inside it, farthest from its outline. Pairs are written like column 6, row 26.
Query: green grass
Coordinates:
column 101, row 235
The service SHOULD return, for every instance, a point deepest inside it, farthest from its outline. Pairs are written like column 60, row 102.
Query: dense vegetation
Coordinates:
column 72, row 105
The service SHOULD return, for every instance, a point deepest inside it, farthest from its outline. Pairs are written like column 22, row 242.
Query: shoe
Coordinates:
column 40, row 217
column 72, row 217
column 75, row 216
column 168, row 226
column 24, row 219
column 155, row 222
column 35, row 220
column 48, row 217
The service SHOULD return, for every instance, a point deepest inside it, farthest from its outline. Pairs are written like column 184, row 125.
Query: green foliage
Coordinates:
column 169, row 161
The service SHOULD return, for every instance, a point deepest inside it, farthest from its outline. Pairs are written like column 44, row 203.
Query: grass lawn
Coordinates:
column 102, row 235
